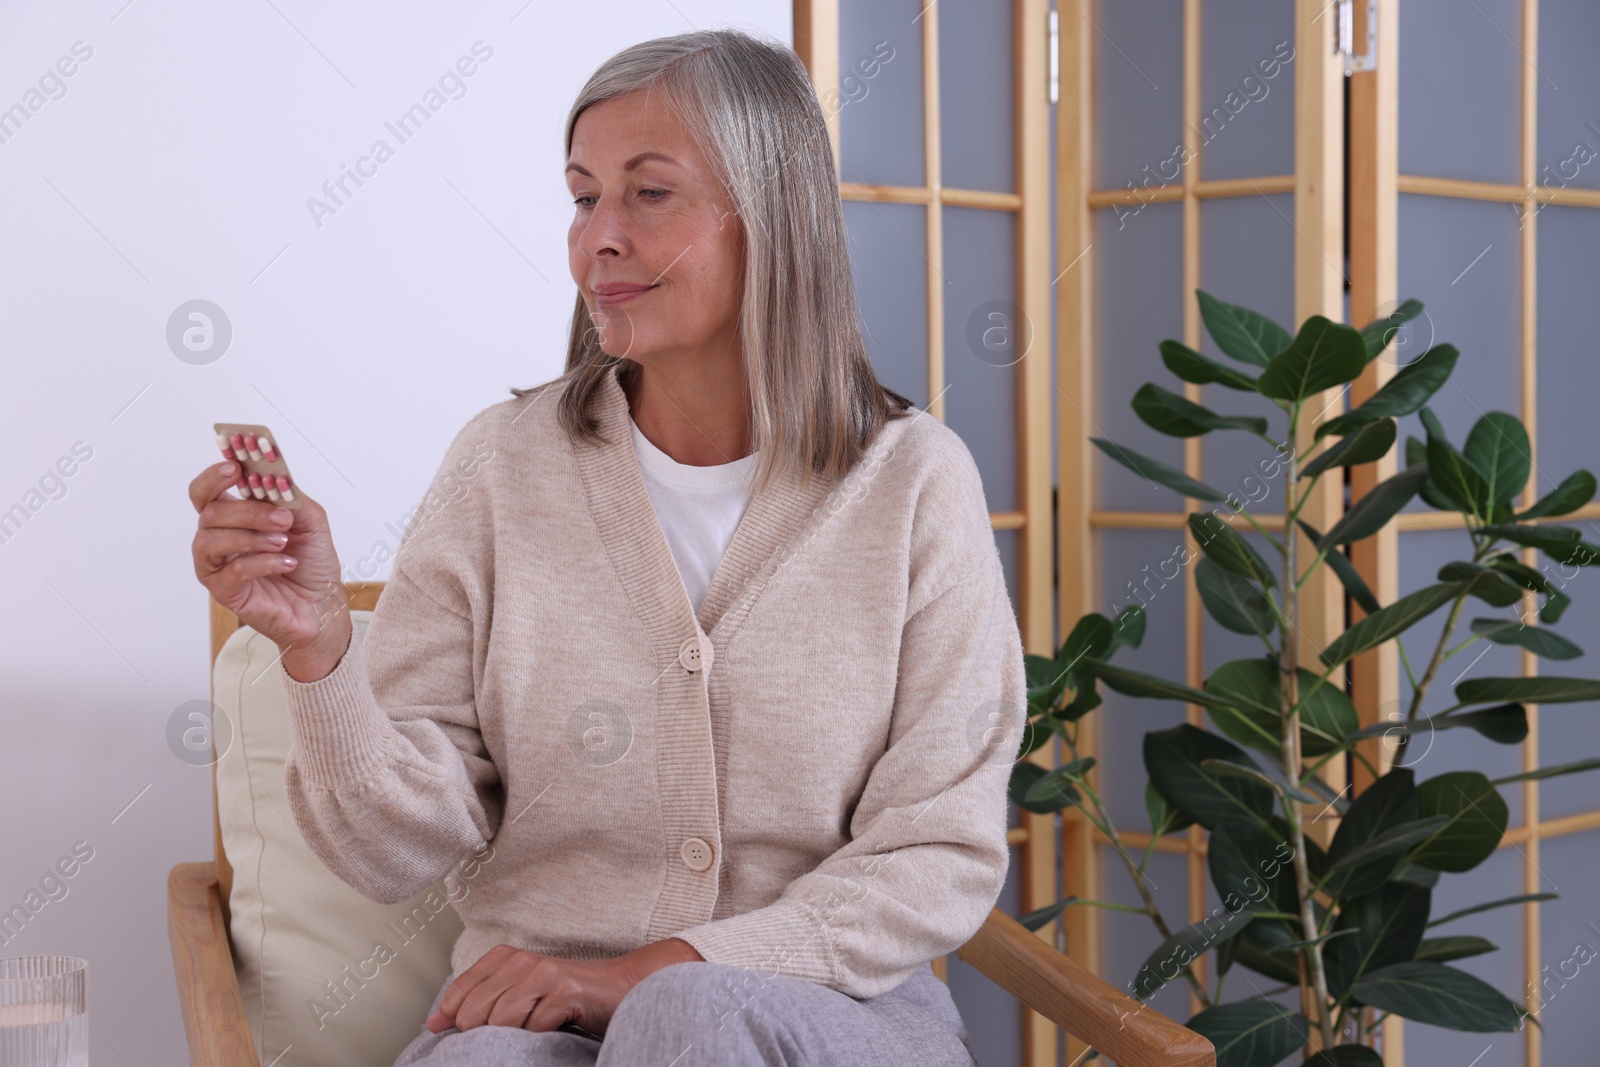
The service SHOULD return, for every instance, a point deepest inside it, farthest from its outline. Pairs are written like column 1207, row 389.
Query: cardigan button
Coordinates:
column 689, row 654
column 696, row 854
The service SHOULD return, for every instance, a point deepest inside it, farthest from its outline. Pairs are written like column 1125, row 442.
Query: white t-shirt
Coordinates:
column 698, row 508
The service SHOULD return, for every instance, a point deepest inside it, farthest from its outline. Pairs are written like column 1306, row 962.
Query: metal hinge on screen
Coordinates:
column 1346, row 30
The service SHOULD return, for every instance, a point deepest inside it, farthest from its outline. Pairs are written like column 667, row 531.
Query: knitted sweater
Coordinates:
column 807, row 776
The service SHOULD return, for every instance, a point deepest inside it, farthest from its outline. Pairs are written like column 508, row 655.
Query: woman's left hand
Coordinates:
column 531, row 991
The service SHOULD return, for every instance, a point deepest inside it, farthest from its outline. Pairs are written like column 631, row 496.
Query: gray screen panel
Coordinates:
column 1569, row 944
column 976, row 124
column 1569, row 120
column 1138, row 303
column 1138, row 119
column 880, row 93
column 1460, row 89
column 983, row 343
column 1247, row 89
column 888, row 258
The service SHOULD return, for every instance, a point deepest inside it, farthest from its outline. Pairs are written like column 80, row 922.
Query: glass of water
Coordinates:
column 43, row 1012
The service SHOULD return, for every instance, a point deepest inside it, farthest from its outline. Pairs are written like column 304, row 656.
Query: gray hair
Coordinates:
column 815, row 401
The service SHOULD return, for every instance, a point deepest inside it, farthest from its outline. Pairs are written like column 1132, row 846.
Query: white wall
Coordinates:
column 176, row 165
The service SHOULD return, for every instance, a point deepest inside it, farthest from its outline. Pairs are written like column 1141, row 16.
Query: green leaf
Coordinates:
column 1445, row 949
column 1323, row 354
column 1047, row 680
column 1222, row 543
column 1417, row 454
column 1040, row 918
column 1459, row 481
column 1576, row 553
column 1411, row 874
column 1555, row 600
column 1176, row 416
column 1550, row 772
column 1545, row 689
column 1389, row 802
column 1388, row 924
column 1385, row 623
column 1241, row 333
column 1085, row 700
column 1382, row 850
column 1233, row 770
column 1374, row 510
column 1128, row 629
column 1090, row 636
column 1254, row 716
column 1252, row 1033
column 1576, row 490
column 1377, row 334
column 1164, row 818
column 1172, row 759
column 1403, row 394
column 1346, row 1056
column 1504, row 902
column 1258, row 948
column 1191, row 366
column 1023, row 777
column 1498, row 448
column 1535, row 536
column 1439, row 995
column 1157, row 472
column 1477, row 817
column 1505, row 724
column 1139, row 684
column 1485, row 583
column 1234, row 601
column 1536, row 639
column 1188, row 944
column 1371, row 442
column 1346, row 572
column 1251, row 869
column 1058, row 789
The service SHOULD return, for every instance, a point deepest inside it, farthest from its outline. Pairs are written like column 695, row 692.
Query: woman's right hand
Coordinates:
column 275, row 568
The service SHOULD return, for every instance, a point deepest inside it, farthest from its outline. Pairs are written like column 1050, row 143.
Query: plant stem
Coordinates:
column 1251, row 519
column 1108, row 827
column 1311, row 955
column 1405, row 661
column 1421, row 689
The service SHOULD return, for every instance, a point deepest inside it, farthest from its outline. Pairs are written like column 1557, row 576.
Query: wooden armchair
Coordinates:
column 1017, row 960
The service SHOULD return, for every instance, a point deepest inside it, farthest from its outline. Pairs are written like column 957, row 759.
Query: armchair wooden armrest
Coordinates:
column 202, row 960
column 1078, row 1001
column 1063, row 991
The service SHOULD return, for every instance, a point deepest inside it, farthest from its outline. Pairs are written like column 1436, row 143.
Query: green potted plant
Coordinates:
column 1343, row 924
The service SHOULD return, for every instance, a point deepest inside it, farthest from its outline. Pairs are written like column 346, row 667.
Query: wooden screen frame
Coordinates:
column 1318, row 187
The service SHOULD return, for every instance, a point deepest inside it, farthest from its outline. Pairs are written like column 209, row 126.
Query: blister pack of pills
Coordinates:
column 263, row 475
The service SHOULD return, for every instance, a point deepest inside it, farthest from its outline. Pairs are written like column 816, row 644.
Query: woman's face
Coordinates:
column 649, row 213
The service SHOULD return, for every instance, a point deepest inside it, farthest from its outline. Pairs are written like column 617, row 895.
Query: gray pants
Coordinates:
column 712, row 1014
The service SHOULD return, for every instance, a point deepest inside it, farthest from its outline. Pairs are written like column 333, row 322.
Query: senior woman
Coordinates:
column 704, row 645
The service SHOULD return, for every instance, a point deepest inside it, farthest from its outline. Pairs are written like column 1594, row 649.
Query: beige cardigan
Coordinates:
column 809, row 778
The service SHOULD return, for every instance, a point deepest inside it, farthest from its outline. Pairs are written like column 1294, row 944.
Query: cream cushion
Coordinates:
column 329, row 978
